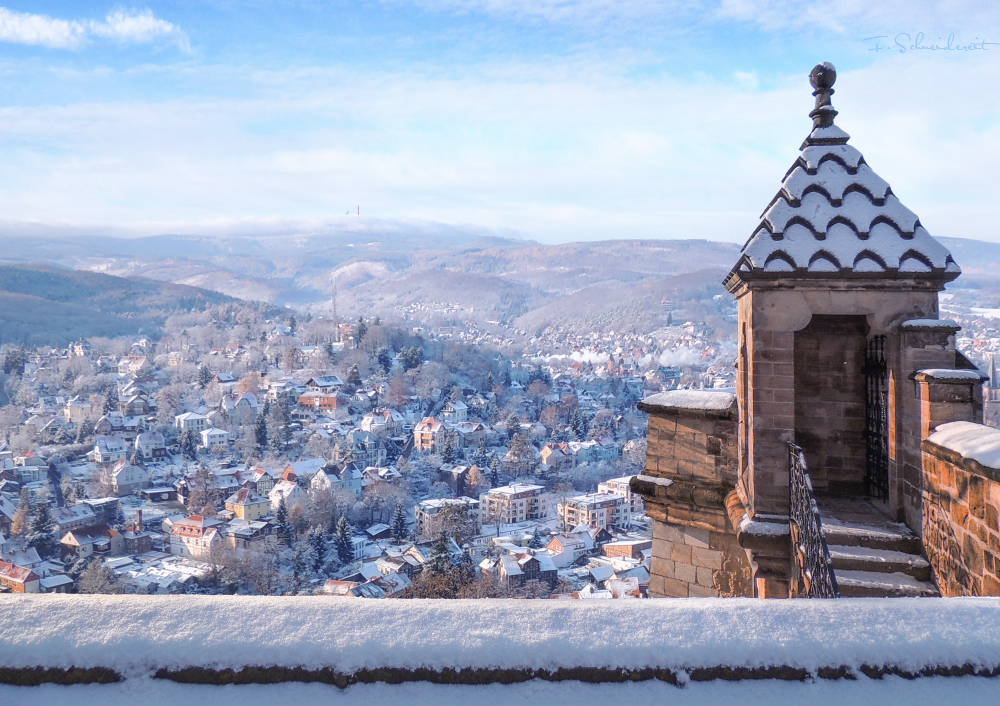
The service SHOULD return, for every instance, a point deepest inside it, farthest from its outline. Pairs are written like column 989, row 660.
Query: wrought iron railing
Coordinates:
column 876, row 419
column 812, row 571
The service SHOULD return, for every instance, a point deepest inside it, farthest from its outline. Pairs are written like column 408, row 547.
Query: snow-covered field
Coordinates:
column 137, row 635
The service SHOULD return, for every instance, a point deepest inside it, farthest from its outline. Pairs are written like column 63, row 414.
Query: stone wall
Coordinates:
column 694, row 444
column 694, row 562
column 961, row 507
column 830, row 402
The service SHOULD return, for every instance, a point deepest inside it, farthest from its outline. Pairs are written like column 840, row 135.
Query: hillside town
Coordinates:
column 240, row 454
column 243, row 453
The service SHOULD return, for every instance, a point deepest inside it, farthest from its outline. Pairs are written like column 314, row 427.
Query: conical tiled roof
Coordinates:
column 836, row 218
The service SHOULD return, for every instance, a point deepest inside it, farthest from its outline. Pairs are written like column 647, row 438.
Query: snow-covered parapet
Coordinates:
column 478, row 641
column 973, row 442
column 716, row 402
column 835, row 217
column 930, row 325
column 951, row 375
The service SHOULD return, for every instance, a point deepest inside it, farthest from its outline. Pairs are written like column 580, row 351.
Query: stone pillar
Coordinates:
column 942, row 395
column 690, row 470
column 921, row 344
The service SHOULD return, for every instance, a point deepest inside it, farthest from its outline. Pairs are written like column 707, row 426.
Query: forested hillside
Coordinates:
column 42, row 305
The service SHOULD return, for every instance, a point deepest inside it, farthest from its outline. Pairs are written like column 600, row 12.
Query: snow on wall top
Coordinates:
column 707, row 400
column 931, row 324
column 835, row 217
column 951, row 374
column 136, row 635
column 971, row 441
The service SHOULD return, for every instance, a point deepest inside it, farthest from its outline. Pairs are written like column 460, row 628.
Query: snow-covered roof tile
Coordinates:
column 834, row 216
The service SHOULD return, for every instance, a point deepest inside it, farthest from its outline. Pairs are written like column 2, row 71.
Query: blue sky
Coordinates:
column 556, row 120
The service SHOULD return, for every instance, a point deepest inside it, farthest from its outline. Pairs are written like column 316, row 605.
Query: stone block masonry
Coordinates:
column 690, row 469
column 690, row 562
column 961, row 512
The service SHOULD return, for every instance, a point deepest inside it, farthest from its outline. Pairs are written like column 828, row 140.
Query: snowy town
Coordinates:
column 361, row 460
column 345, row 467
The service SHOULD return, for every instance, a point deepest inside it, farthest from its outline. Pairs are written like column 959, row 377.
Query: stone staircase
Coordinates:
column 873, row 556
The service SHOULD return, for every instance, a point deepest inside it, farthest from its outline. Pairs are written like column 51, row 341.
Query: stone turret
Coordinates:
column 841, row 352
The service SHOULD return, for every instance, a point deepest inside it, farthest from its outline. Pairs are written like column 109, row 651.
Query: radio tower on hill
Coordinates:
column 336, row 321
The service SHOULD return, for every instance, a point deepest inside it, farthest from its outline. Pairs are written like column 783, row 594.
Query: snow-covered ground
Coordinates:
column 137, row 635
column 890, row 691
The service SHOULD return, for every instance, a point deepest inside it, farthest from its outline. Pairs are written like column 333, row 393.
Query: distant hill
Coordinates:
column 576, row 285
column 45, row 305
column 581, row 286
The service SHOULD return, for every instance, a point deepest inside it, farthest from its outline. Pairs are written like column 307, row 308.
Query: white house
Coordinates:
column 124, row 477
column 210, row 438
column 195, row 536
column 110, row 449
column 287, row 490
column 455, row 411
column 191, row 420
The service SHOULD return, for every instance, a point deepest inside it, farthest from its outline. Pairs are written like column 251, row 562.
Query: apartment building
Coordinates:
column 517, row 502
column 602, row 510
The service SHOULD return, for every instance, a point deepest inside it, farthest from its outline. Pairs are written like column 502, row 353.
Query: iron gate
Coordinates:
column 876, row 419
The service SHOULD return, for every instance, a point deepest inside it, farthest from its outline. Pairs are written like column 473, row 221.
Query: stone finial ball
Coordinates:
column 823, row 75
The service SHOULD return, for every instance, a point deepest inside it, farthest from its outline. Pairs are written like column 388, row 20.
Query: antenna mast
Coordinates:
column 336, row 321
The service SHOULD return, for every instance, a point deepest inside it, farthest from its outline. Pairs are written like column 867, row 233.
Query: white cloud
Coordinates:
column 577, row 11
column 843, row 16
column 39, row 30
column 557, row 152
column 836, row 16
column 127, row 27
column 136, row 27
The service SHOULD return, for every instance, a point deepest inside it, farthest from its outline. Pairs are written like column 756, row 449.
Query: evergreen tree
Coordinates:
column 284, row 530
column 284, row 423
column 354, row 378
column 292, row 323
column 77, row 568
column 377, row 321
column 61, row 436
column 342, row 542
column 204, row 376
column 448, row 455
column 118, row 521
column 576, row 424
column 260, row 430
column 41, row 533
column 440, row 559
column 490, row 383
column 411, row 358
column 505, row 379
column 188, row 444
column 84, row 431
column 384, row 358
column 479, row 458
column 14, row 360
column 317, row 541
column 537, row 541
column 513, row 425
column 110, row 400
column 300, row 563
column 399, row 524
column 495, row 471
column 360, row 331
